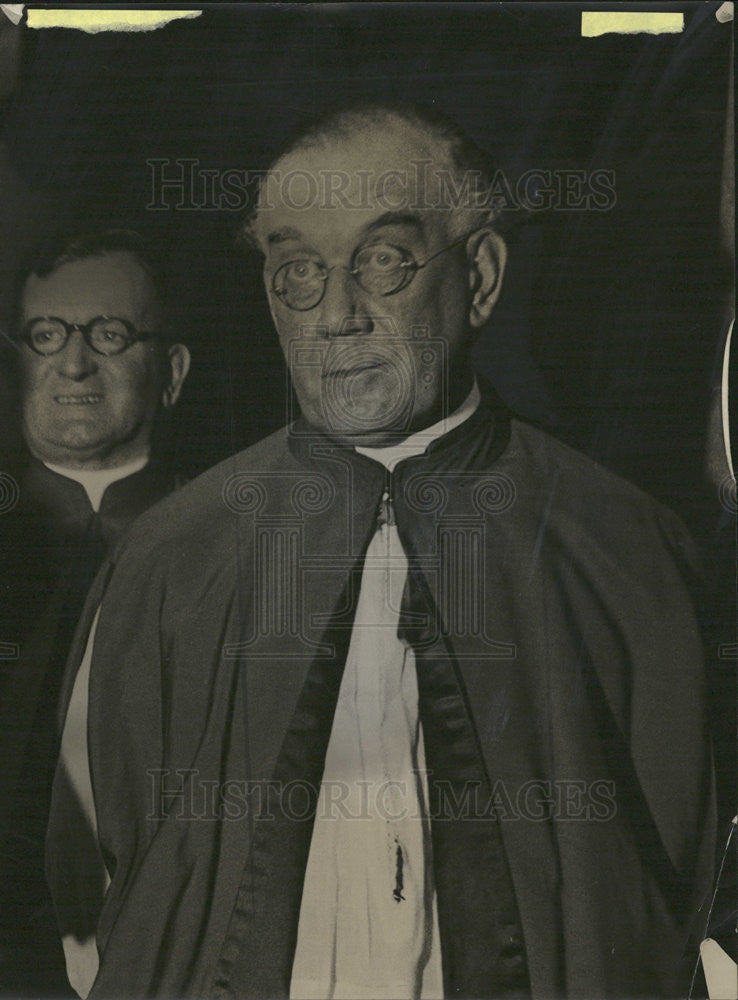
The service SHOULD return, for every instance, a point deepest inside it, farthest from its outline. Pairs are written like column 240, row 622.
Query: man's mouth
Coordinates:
column 353, row 370
column 89, row 399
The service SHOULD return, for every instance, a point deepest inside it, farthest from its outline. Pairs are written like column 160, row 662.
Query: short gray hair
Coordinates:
column 470, row 163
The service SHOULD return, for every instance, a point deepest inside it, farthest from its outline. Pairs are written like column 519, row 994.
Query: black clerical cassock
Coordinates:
column 52, row 543
column 560, row 678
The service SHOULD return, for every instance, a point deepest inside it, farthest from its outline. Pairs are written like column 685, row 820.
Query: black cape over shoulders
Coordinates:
column 560, row 594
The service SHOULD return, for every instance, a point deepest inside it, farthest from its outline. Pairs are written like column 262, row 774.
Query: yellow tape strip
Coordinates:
column 106, row 20
column 603, row 22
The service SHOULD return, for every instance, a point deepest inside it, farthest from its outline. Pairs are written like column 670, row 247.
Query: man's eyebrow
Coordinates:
column 285, row 233
column 397, row 219
column 282, row 234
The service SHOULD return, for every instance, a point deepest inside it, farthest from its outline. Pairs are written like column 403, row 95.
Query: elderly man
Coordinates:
column 96, row 367
column 407, row 699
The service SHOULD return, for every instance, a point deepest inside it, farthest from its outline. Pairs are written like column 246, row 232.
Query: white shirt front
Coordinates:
column 368, row 925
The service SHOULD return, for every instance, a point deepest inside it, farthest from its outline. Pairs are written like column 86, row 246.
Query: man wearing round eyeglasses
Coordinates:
column 93, row 375
column 388, row 290
column 407, row 699
column 96, row 367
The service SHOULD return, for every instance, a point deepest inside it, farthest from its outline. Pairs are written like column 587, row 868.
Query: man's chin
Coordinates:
column 83, row 439
column 379, row 438
column 380, row 422
column 363, row 417
column 78, row 448
column 370, row 433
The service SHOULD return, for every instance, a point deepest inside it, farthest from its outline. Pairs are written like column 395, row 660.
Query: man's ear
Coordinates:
column 179, row 364
column 487, row 255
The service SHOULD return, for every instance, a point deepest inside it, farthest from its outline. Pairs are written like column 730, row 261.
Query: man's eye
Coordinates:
column 41, row 335
column 111, row 333
column 300, row 270
column 380, row 258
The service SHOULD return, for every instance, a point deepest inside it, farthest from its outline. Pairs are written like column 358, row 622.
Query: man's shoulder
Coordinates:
column 543, row 454
column 204, row 508
column 585, row 495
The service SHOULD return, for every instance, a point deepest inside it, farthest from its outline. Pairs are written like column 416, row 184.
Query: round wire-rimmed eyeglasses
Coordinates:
column 380, row 269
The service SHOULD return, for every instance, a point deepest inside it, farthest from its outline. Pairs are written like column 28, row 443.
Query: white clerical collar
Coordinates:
column 418, row 442
column 96, row 481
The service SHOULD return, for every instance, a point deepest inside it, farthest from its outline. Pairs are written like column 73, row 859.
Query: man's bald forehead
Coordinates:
column 409, row 128
column 400, row 137
column 384, row 158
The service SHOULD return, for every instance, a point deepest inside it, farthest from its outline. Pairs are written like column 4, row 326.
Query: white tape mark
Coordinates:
column 626, row 22
column 94, row 21
column 13, row 11
column 724, row 13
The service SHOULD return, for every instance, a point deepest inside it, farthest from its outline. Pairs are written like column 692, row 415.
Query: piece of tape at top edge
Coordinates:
column 94, row 21
column 724, row 13
column 626, row 22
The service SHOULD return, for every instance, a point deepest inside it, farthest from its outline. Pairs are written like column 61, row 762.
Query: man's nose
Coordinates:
column 76, row 360
column 343, row 312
